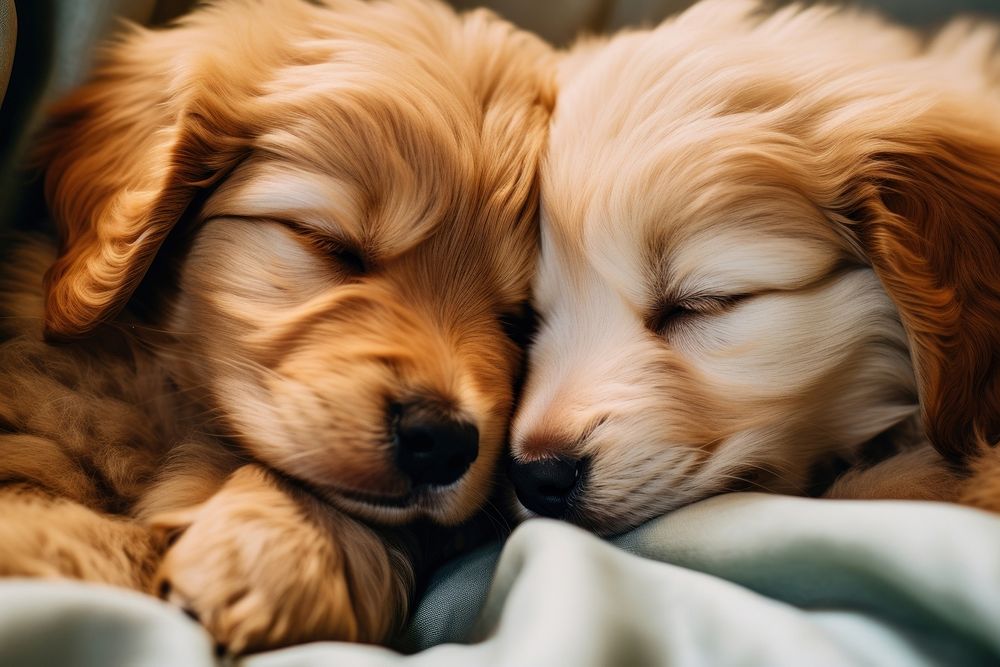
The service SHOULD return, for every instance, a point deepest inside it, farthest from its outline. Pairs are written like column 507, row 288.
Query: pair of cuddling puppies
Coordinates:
column 761, row 253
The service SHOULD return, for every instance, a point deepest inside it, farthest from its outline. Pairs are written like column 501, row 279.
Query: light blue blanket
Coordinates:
column 744, row 579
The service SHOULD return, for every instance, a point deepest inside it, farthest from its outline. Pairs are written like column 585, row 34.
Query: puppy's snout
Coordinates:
column 432, row 449
column 545, row 486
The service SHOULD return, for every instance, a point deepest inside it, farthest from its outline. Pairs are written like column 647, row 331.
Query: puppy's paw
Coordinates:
column 262, row 565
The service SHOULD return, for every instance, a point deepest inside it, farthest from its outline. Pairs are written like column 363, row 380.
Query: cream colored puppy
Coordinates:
column 771, row 246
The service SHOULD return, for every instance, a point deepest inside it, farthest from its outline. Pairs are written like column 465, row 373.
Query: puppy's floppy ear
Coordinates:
column 922, row 198
column 124, row 156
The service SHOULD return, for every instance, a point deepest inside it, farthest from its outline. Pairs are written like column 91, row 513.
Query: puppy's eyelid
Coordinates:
column 348, row 256
column 352, row 260
column 709, row 303
column 670, row 312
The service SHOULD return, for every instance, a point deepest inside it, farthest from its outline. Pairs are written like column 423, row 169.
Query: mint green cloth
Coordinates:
column 745, row 579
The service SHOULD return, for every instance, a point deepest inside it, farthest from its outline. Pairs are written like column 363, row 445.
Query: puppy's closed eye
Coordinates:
column 346, row 255
column 520, row 325
column 669, row 314
column 352, row 260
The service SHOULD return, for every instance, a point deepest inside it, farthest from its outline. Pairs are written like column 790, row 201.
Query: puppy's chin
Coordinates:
column 441, row 505
column 579, row 514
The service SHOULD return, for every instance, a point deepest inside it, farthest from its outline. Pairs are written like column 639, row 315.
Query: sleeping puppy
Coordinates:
column 770, row 247
column 320, row 216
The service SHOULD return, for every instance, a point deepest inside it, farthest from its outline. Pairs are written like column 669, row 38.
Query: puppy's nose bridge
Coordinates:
column 396, row 320
column 422, row 341
column 547, row 443
column 558, row 421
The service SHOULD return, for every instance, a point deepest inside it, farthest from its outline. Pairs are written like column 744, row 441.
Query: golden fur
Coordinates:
column 769, row 240
column 319, row 209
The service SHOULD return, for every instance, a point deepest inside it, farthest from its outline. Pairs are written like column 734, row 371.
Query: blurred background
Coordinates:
column 46, row 45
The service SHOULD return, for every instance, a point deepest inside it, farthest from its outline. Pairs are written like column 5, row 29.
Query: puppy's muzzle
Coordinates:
column 431, row 448
column 547, row 486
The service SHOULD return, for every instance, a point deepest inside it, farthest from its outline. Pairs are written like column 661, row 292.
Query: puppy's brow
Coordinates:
column 318, row 201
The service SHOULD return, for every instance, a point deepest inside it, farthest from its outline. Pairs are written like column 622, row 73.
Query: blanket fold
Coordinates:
column 744, row 579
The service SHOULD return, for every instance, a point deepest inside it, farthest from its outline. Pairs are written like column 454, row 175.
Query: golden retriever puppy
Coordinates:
column 320, row 217
column 770, row 243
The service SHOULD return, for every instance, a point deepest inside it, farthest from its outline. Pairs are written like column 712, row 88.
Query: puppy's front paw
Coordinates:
column 262, row 565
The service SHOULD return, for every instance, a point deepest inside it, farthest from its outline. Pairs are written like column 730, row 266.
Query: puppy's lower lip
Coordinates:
column 399, row 502
column 415, row 497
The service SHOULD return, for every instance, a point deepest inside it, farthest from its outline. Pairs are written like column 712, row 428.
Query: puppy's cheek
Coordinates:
column 335, row 414
column 481, row 479
column 637, row 466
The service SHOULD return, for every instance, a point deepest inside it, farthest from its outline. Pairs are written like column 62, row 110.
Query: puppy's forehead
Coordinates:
column 368, row 159
column 681, row 178
column 698, row 211
column 392, row 124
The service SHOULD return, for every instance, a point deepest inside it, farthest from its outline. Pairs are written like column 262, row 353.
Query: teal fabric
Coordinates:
column 745, row 579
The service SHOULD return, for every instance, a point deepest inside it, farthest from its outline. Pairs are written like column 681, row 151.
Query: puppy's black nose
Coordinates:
column 544, row 486
column 433, row 450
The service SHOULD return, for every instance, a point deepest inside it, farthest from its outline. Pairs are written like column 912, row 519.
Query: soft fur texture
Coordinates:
column 340, row 200
column 771, row 241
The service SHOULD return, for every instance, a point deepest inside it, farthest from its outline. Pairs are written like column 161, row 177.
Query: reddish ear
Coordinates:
column 924, row 204
column 124, row 157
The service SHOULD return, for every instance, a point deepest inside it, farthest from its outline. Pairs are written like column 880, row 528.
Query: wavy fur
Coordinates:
column 319, row 209
column 770, row 240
